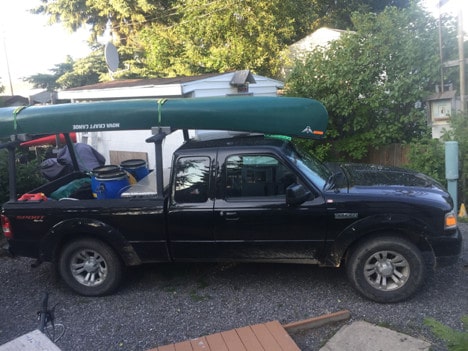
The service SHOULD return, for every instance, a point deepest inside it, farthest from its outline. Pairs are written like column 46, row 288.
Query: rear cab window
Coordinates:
column 191, row 179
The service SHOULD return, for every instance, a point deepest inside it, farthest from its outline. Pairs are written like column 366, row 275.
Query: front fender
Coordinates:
column 71, row 229
column 400, row 225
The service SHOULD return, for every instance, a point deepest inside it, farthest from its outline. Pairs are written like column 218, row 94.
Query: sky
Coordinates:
column 29, row 46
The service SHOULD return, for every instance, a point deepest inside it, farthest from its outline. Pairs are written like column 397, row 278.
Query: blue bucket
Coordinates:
column 101, row 172
column 109, row 185
column 137, row 168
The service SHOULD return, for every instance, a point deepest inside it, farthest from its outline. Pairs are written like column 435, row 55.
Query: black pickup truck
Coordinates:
column 244, row 199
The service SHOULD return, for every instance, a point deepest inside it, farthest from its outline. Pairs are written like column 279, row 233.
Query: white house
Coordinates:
column 322, row 37
column 111, row 144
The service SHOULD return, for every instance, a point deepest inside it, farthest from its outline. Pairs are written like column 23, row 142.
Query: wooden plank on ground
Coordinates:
column 169, row 347
column 249, row 339
column 200, row 344
column 216, row 342
column 281, row 336
column 266, row 339
column 317, row 321
column 233, row 341
column 183, row 346
column 270, row 336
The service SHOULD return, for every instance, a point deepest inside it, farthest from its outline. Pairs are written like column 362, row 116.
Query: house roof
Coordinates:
column 210, row 84
column 128, row 83
column 13, row 100
column 446, row 95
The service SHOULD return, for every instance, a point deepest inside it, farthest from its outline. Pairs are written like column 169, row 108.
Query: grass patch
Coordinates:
column 454, row 339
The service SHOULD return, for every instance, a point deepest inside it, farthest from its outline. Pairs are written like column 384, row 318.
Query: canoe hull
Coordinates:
column 299, row 117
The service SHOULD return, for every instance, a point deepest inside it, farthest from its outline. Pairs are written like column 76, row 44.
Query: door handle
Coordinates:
column 230, row 215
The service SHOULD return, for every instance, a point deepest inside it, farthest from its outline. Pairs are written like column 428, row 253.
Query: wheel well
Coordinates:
column 67, row 239
column 418, row 239
column 124, row 251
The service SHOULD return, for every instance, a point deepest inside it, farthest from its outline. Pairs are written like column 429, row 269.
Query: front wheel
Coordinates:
column 386, row 269
column 90, row 267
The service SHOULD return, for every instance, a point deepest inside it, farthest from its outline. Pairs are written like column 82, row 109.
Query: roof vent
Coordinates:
column 241, row 78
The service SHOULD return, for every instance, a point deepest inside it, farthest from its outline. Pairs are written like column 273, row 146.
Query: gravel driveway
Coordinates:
column 165, row 303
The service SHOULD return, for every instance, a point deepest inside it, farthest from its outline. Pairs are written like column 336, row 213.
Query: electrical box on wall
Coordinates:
column 441, row 106
column 440, row 110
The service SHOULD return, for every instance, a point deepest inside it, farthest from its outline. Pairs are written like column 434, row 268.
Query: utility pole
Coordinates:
column 441, row 55
column 7, row 66
column 461, row 59
column 461, row 62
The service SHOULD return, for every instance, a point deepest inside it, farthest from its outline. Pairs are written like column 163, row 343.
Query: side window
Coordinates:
column 256, row 175
column 191, row 179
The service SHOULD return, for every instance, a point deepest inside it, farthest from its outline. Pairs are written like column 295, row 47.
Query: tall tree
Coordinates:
column 88, row 70
column 125, row 17
column 49, row 81
column 173, row 37
column 373, row 80
column 337, row 13
column 223, row 35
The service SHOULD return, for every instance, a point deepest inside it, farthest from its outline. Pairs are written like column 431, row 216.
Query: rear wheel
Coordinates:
column 90, row 267
column 386, row 269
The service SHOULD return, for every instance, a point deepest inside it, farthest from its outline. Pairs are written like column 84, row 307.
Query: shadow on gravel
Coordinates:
column 202, row 274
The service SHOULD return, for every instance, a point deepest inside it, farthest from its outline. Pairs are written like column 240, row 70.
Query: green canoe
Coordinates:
column 290, row 116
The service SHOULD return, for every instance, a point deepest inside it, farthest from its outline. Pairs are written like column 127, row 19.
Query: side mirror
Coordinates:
column 296, row 194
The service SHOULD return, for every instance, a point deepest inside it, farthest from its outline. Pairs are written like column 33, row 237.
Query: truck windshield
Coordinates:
column 312, row 168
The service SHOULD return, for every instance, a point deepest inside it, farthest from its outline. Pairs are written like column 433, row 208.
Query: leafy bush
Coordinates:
column 318, row 149
column 371, row 80
column 28, row 174
column 428, row 156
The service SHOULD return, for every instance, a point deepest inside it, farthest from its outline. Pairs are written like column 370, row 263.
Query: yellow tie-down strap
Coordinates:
column 15, row 113
column 160, row 103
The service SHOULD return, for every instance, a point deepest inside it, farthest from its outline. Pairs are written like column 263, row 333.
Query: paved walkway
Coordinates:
column 365, row 336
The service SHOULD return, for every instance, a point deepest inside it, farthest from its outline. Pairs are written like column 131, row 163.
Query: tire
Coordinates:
column 90, row 267
column 386, row 269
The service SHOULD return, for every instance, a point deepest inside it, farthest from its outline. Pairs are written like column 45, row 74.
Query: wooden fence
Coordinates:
column 390, row 155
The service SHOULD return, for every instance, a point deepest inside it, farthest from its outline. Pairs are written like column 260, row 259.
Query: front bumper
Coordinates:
column 447, row 249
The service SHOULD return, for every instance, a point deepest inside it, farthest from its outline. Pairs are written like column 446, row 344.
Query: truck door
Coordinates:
column 252, row 219
column 190, row 210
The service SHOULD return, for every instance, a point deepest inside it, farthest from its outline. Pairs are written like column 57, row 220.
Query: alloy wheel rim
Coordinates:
column 387, row 270
column 89, row 267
